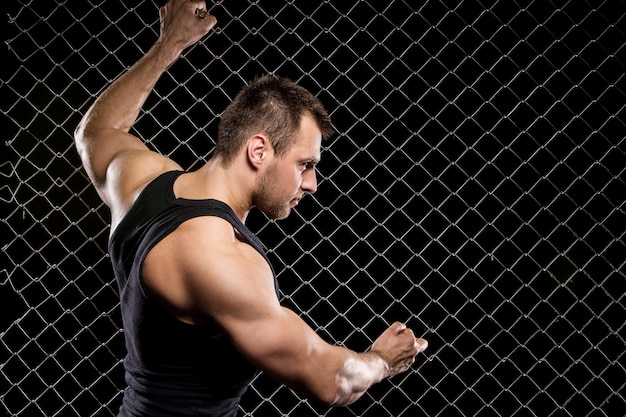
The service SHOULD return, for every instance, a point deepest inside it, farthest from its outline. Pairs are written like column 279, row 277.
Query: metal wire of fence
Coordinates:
column 475, row 190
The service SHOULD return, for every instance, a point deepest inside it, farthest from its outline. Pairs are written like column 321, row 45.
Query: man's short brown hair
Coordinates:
column 273, row 106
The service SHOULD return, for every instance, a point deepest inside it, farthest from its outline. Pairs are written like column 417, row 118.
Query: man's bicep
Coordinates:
column 232, row 284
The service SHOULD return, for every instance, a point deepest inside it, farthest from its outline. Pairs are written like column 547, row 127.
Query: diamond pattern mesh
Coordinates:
column 475, row 190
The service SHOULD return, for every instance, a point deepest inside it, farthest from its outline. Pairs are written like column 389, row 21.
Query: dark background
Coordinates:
column 475, row 189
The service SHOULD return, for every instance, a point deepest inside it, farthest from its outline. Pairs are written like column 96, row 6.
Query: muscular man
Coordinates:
column 199, row 299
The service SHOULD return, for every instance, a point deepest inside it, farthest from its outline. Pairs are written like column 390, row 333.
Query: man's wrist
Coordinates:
column 378, row 361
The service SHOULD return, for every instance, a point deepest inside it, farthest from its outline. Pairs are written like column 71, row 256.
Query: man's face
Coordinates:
column 286, row 179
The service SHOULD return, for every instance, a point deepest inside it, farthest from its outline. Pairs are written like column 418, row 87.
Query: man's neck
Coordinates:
column 227, row 184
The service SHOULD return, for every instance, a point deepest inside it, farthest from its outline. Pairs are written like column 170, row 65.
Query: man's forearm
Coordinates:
column 120, row 104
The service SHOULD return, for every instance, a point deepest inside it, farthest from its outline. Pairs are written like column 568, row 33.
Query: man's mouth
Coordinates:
column 296, row 200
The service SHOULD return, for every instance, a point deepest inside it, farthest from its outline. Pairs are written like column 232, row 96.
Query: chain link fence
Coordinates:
column 475, row 190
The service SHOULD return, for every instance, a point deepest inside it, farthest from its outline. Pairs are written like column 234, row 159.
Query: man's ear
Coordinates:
column 259, row 148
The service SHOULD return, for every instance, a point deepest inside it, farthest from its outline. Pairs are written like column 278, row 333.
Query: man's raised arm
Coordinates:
column 102, row 136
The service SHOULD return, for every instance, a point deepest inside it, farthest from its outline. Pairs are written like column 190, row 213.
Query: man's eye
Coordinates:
column 306, row 165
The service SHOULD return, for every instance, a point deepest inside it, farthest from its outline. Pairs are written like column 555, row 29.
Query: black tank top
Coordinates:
column 172, row 368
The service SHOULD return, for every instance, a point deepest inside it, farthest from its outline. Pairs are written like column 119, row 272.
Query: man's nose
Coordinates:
column 309, row 181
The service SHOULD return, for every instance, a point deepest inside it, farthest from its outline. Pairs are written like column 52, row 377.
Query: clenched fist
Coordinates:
column 398, row 346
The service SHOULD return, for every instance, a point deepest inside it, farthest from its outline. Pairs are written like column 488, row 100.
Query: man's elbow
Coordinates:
column 81, row 142
column 80, row 135
column 85, row 130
